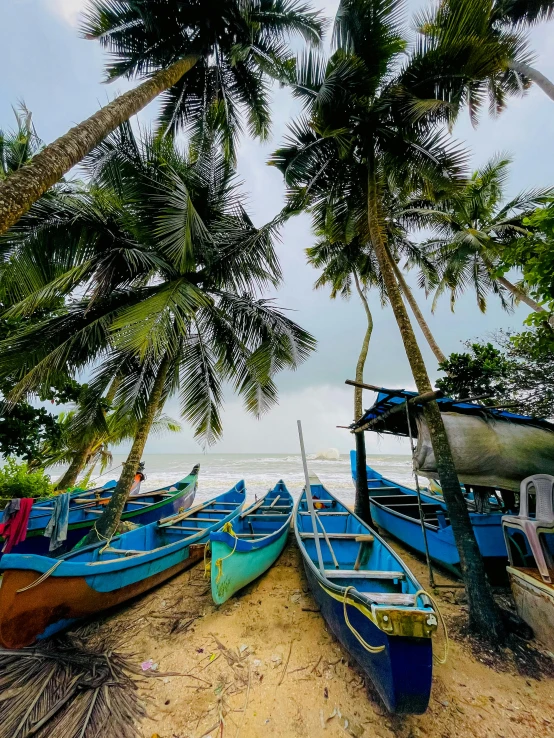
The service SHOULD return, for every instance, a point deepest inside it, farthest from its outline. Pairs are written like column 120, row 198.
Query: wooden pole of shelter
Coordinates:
column 417, row 400
column 418, row 491
column 309, row 499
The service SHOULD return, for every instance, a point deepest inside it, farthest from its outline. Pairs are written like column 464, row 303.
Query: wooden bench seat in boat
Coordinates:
column 382, row 487
column 324, row 513
column 345, row 536
column 391, row 598
column 362, row 574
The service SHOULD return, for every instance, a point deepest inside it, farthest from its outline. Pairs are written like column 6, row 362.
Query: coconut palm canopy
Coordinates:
column 160, row 265
column 470, row 228
column 237, row 47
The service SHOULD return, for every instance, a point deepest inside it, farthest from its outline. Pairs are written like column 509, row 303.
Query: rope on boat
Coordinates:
column 41, row 579
column 227, row 528
column 365, row 644
column 441, row 618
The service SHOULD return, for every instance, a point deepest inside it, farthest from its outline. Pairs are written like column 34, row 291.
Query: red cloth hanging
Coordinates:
column 15, row 530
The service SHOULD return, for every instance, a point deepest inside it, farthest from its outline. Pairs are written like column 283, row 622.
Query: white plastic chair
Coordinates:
column 544, row 517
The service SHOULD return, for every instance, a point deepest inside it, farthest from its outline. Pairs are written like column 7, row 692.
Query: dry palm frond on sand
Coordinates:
column 66, row 688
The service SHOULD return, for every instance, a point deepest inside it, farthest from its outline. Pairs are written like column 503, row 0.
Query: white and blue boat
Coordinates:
column 40, row 596
column 85, row 507
column 395, row 508
column 370, row 600
column 251, row 545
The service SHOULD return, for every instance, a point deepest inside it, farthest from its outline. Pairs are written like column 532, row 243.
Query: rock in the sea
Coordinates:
column 328, row 454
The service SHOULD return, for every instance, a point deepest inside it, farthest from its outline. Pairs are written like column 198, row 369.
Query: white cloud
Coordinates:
column 320, row 408
column 68, row 10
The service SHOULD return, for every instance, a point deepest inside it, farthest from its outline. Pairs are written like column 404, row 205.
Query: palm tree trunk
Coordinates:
column 108, row 522
column 483, row 613
column 361, row 506
column 520, row 295
column 535, row 76
column 82, row 455
column 77, row 464
column 440, row 357
column 23, row 187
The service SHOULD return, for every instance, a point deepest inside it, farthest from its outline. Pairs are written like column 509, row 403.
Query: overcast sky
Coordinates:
column 59, row 76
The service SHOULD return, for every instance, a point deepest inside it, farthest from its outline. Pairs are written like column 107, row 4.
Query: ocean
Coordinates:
column 220, row 472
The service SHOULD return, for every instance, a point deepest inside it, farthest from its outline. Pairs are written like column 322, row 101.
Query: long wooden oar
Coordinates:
column 309, row 498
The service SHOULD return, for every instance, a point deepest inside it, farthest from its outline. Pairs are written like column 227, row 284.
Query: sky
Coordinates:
column 59, row 76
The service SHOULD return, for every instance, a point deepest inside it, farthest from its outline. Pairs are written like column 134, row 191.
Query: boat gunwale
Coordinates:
column 386, row 508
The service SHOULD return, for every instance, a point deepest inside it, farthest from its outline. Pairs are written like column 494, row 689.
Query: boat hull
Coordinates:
column 58, row 603
column 534, row 600
column 40, row 596
column 442, row 547
column 234, row 568
column 37, row 543
column 401, row 673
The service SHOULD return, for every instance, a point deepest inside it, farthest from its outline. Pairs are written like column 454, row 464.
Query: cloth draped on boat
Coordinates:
column 488, row 452
column 14, row 529
column 57, row 526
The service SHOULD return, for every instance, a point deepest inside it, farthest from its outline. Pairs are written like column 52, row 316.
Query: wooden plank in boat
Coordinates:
column 363, row 574
column 391, row 598
column 345, row 536
column 327, row 513
column 251, row 509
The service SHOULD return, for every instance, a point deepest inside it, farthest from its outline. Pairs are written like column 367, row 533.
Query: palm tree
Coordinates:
column 364, row 128
column 488, row 41
column 344, row 265
column 163, row 265
column 79, row 453
column 471, row 225
column 18, row 146
column 208, row 59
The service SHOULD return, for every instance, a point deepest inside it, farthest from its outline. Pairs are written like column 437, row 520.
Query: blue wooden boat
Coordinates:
column 86, row 507
column 370, row 600
column 394, row 508
column 40, row 596
column 258, row 537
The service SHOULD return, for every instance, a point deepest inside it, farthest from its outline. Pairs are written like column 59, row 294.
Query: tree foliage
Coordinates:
column 516, row 368
column 533, row 253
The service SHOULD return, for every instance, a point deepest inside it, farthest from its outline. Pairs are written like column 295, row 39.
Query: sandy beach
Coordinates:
column 265, row 664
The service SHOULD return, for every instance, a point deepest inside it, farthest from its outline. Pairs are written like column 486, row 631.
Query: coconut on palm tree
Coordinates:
column 171, row 265
column 470, row 227
column 364, row 129
column 208, row 59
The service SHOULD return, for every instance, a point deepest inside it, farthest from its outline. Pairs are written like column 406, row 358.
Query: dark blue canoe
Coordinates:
column 394, row 508
column 370, row 600
column 86, row 507
column 40, row 596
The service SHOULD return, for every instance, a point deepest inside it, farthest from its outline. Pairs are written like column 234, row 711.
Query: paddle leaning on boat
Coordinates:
column 39, row 597
column 251, row 544
column 370, row 600
column 86, row 507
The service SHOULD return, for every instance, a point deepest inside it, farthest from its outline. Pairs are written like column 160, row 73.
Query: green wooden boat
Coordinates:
column 248, row 546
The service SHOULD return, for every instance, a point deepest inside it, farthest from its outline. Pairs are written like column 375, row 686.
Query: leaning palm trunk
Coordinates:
column 520, row 295
column 78, row 463
column 22, row 188
column 82, row 456
column 108, row 522
column 483, row 613
column 535, row 76
column 440, row 357
column 361, row 507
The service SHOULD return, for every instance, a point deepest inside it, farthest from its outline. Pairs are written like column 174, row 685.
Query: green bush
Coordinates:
column 17, row 481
